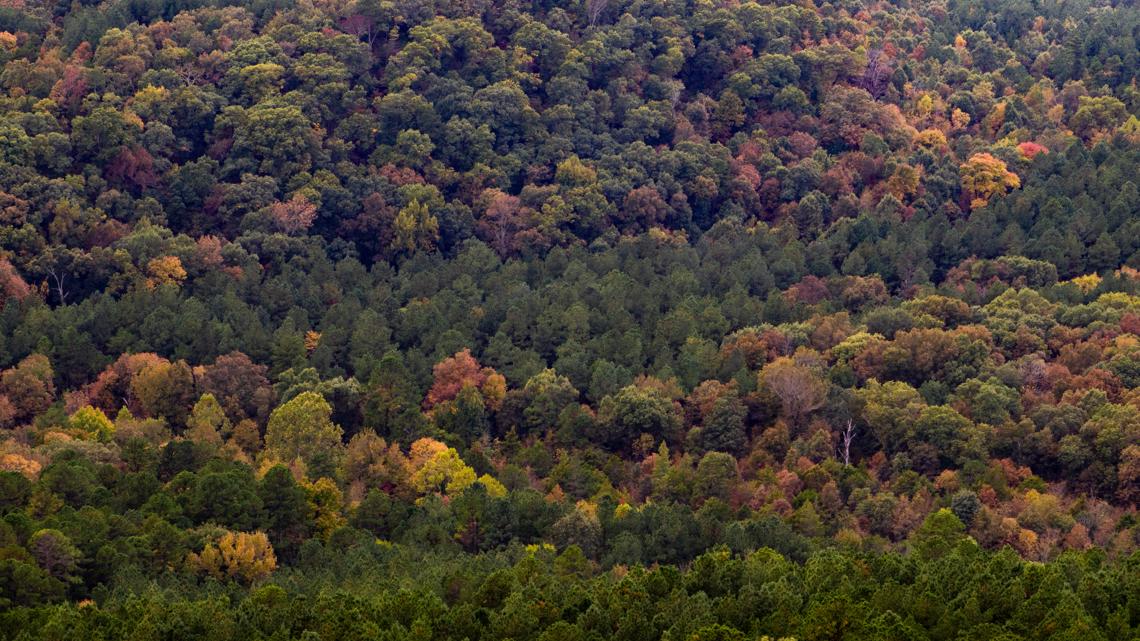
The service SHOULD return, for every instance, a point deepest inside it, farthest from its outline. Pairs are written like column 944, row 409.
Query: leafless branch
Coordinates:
column 848, row 436
column 59, row 277
column 594, row 10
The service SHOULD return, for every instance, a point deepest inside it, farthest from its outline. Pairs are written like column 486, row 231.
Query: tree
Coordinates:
column 164, row 390
column 295, row 215
column 850, row 117
column 208, row 422
column 56, row 554
column 965, row 505
column 465, row 416
column 643, row 208
column 287, row 514
column 503, row 218
column 988, row 401
column 92, row 421
column 1096, row 116
column 165, row 270
column 595, row 9
column 876, row 74
column 579, row 527
column 362, row 22
column 716, row 476
column 938, row 536
column 133, row 167
column 392, row 401
column 452, row 374
column 848, row 436
column 633, row 411
column 302, row 428
column 890, row 410
column 938, row 428
column 242, row 556
column 438, row 468
column 723, row 428
column 1128, row 474
column 29, row 386
column 372, row 462
column 225, row 497
column 240, row 386
column 12, row 285
column 326, row 504
column 548, row 394
column 98, row 136
column 15, row 488
column 22, row 583
column 414, row 229
column 270, row 138
column 379, row 514
column 799, row 386
column 983, row 177
column 1104, row 254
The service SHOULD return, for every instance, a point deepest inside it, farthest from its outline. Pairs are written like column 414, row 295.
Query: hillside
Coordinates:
column 545, row 321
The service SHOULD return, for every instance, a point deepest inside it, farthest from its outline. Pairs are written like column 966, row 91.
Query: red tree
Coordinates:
column 502, row 219
column 240, row 386
column 451, row 375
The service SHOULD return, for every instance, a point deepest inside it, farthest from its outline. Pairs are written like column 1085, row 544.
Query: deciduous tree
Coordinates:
column 302, row 428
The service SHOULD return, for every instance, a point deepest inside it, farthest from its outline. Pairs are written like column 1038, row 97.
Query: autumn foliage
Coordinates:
column 984, row 176
column 241, row 556
column 562, row 321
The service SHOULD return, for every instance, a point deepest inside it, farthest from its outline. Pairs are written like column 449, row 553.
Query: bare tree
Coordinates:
column 876, row 74
column 58, row 276
column 801, row 389
column 189, row 74
column 595, row 9
column 675, row 89
column 848, row 436
column 361, row 26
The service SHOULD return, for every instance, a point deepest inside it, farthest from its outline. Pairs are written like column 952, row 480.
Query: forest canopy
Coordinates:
column 507, row 319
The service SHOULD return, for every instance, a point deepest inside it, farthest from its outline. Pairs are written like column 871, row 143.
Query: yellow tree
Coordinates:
column 242, row 556
column 984, row 176
column 438, row 468
column 164, row 390
column 326, row 504
column 165, row 270
column 370, row 462
column 30, row 469
column 247, row 556
column 415, row 228
column 208, row 422
column 904, row 182
column 92, row 421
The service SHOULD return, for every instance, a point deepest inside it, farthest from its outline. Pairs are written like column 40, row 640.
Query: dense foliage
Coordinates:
column 629, row 319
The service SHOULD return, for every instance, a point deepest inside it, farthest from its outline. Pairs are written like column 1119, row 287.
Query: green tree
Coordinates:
column 939, row 534
column 633, row 411
column 716, row 476
column 29, row 386
column 548, row 394
column 890, row 410
column 226, row 498
column 286, row 516
column 208, row 422
column 723, row 429
column 414, row 229
column 56, row 554
column 302, row 428
column 271, row 138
